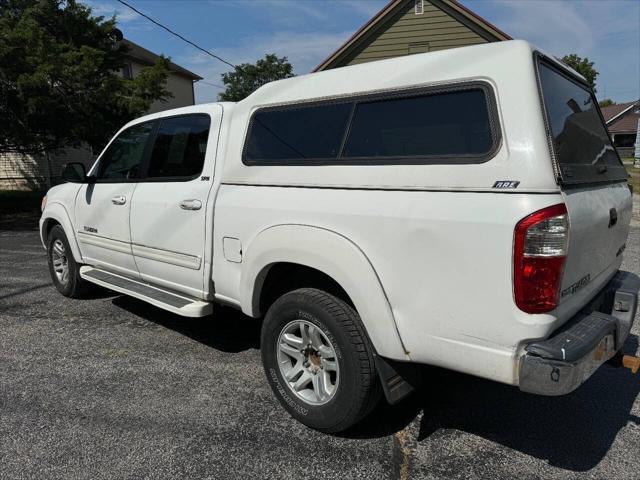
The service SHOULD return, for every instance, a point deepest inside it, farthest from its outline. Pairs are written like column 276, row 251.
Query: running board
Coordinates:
column 166, row 299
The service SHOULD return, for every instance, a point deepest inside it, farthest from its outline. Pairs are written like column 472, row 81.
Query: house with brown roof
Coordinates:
column 405, row 27
column 623, row 122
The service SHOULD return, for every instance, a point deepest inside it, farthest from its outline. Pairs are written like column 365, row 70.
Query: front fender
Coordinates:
column 337, row 257
column 57, row 212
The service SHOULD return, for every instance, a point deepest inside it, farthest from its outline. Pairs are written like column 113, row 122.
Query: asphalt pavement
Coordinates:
column 110, row 387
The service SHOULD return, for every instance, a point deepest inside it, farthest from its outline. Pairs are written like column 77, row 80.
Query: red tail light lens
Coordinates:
column 539, row 251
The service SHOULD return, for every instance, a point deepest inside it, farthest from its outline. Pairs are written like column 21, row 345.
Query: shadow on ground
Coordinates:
column 227, row 330
column 19, row 221
column 573, row 432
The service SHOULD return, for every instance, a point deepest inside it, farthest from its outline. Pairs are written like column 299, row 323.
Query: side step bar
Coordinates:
column 166, row 299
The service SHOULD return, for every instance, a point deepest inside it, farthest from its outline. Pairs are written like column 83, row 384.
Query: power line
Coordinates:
column 212, row 84
column 176, row 34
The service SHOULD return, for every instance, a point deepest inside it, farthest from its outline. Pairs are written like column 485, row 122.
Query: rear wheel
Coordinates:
column 64, row 270
column 318, row 360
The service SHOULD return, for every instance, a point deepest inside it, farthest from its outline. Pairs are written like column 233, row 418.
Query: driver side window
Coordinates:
column 121, row 161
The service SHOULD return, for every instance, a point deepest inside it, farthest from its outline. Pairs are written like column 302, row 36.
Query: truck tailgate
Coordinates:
column 599, row 218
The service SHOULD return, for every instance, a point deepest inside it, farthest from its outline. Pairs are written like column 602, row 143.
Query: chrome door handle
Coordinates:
column 119, row 200
column 191, row 204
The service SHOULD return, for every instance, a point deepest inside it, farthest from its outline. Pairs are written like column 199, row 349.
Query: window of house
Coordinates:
column 624, row 140
column 122, row 159
column 313, row 132
column 126, row 71
column 420, row 47
column 419, row 7
column 444, row 124
column 179, row 148
column 429, row 127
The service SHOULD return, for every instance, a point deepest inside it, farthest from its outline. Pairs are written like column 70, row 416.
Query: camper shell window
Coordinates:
column 580, row 144
column 456, row 124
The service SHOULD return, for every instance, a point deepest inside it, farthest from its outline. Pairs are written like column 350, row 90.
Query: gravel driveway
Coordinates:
column 110, row 387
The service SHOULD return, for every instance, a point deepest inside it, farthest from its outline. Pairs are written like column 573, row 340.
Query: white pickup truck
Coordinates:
column 463, row 209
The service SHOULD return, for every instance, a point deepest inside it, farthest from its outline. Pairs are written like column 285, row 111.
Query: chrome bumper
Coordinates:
column 561, row 363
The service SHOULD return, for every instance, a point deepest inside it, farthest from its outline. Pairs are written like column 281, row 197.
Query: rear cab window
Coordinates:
column 581, row 146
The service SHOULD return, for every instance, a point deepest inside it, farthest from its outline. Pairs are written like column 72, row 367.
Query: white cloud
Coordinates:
column 367, row 8
column 554, row 25
column 108, row 10
column 303, row 50
column 293, row 13
column 608, row 33
column 302, row 30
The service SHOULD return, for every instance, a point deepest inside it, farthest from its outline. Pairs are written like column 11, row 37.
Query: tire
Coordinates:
column 59, row 257
column 312, row 326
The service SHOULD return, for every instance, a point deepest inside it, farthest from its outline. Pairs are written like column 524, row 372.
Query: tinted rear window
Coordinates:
column 313, row 132
column 453, row 126
column 435, row 125
column 581, row 143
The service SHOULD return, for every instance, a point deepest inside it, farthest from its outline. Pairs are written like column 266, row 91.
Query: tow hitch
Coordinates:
column 626, row 361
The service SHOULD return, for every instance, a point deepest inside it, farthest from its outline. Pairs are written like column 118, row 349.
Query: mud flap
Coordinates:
column 398, row 379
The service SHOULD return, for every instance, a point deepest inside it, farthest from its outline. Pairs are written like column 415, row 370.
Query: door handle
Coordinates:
column 119, row 200
column 613, row 217
column 191, row 204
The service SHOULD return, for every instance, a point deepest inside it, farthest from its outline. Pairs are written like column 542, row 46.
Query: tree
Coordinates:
column 607, row 102
column 583, row 66
column 60, row 82
column 247, row 78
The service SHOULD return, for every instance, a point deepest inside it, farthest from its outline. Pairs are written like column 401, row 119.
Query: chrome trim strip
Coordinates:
column 157, row 254
column 103, row 242
column 167, row 256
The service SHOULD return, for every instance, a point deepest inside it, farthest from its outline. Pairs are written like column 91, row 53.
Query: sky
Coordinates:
column 307, row 31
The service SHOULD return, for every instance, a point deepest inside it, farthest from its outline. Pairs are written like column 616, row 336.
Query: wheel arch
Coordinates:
column 332, row 255
column 55, row 213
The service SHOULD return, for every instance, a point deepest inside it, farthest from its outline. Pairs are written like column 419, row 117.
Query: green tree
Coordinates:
column 60, row 81
column 583, row 66
column 247, row 78
column 607, row 102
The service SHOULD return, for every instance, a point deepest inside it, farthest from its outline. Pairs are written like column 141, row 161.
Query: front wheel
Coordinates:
column 64, row 270
column 318, row 360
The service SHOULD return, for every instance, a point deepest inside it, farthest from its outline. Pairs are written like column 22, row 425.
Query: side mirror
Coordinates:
column 74, row 172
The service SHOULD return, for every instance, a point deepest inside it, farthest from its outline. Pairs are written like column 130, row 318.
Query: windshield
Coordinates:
column 582, row 147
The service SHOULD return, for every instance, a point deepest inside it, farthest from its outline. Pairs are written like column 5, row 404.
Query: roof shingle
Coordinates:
column 612, row 110
column 626, row 123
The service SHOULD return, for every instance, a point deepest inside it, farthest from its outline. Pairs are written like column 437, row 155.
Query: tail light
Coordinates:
column 539, row 250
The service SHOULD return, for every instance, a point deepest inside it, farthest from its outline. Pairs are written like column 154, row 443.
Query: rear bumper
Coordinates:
column 561, row 363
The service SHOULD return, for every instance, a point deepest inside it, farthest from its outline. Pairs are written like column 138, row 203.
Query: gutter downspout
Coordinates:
column 636, row 162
